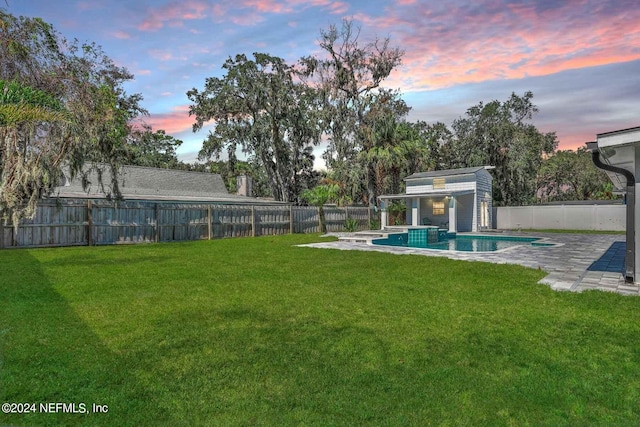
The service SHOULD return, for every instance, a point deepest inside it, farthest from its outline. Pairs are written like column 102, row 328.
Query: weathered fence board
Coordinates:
column 100, row 222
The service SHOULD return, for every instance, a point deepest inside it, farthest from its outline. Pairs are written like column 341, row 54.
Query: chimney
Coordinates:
column 244, row 186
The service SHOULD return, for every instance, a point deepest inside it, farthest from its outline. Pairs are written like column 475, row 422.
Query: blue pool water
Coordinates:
column 464, row 243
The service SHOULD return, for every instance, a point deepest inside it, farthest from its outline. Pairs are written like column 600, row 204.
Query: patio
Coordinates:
column 581, row 262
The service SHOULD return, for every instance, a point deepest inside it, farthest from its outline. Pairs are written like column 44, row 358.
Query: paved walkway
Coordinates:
column 579, row 262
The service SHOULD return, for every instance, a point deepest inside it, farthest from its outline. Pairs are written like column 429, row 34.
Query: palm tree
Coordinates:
column 319, row 196
column 27, row 167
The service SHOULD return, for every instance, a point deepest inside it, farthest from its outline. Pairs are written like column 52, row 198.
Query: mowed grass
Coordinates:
column 261, row 332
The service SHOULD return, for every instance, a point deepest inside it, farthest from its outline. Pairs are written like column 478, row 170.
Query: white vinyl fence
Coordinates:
column 565, row 217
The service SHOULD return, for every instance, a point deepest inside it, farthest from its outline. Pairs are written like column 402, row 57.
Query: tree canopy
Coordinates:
column 571, row 175
column 275, row 113
column 62, row 105
column 349, row 77
column 259, row 106
column 146, row 147
column 499, row 134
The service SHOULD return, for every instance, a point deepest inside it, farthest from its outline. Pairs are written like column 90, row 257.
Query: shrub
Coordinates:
column 351, row 224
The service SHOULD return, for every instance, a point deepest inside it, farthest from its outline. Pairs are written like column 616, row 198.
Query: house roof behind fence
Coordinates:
column 145, row 183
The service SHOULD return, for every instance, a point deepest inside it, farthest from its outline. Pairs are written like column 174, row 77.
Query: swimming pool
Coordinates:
column 465, row 243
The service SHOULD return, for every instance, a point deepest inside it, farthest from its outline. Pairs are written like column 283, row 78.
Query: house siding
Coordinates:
column 483, row 187
column 452, row 183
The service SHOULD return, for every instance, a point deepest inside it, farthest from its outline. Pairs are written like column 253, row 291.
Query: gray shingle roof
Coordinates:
column 145, row 183
column 446, row 172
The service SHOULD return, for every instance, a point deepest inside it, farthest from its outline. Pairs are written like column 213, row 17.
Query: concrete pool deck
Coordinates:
column 580, row 261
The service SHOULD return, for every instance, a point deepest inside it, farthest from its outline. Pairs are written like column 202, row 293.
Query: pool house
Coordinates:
column 458, row 200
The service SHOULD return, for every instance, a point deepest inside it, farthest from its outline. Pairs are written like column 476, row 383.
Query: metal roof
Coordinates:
column 448, row 172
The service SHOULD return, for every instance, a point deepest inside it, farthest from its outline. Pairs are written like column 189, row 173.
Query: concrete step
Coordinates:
column 355, row 239
column 363, row 236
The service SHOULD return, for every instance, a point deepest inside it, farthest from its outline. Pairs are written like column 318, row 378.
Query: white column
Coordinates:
column 474, row 221
column 384, row 220
column 636, row 237
column 453, row 206
column 636, row 217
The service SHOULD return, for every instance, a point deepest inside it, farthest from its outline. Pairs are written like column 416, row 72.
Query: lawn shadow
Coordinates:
column 55, row 357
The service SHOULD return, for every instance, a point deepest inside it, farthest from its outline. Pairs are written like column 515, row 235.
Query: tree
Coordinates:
column 63, row 107
column 571, row 175
column 386, row 151
column 229, row 172
column 24, row 180
column 153, row 149
column 319, row 196
column 259, row 107
column 439, row 139
column 396, row 148
column 348, row 80
column 497, row 134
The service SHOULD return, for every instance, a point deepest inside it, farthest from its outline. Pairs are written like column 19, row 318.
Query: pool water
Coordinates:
column 465, row 243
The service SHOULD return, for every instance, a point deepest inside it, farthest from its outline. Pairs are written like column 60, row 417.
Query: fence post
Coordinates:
column 213, row 213
column 89, row 223
column 290, row 219
column 1, row 234
column 157, row 226
column 253, row 221
column 209, row 221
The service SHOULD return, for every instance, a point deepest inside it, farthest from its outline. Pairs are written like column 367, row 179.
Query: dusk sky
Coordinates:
column 580, row 58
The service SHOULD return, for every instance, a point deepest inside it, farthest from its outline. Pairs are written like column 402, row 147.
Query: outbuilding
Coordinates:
column 459, row 200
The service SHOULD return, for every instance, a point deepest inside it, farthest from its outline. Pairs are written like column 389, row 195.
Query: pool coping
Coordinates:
column 566, row 263
column 543, row 242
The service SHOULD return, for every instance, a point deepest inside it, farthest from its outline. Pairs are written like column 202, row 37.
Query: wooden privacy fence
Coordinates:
column 100, row 222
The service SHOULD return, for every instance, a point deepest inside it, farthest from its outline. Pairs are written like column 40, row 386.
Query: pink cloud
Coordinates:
column 246, row 19
column 122, row 35
column 165, row 55
column 569, row 139
column 173, row 14
column 174, row 122
column 453, row 45
column 338, row 7
column 291, row 6
column 268, row 6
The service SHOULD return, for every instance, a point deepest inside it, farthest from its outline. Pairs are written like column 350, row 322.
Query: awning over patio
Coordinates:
column 427, row 194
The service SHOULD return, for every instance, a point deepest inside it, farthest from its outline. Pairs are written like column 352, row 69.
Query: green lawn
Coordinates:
column 260, row 332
